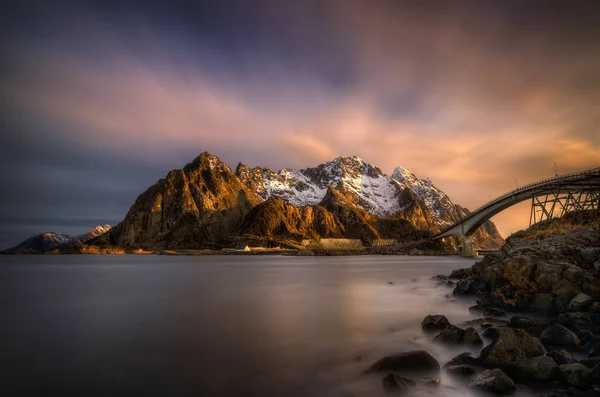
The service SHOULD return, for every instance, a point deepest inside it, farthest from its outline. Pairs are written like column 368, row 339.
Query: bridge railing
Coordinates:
column 531, row 185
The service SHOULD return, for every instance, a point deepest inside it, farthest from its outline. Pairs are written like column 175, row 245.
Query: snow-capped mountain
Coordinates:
column 95, row 232
column 49, row 241
column 207, row 205
column 364, row 184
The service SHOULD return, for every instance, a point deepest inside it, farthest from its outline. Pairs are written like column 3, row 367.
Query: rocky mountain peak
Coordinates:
column 207, row 161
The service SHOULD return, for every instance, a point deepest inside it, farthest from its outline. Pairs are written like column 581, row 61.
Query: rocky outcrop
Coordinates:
column 435, row 322
column 412, row 361
column 394, row 383
column 541, row 269
column 511, row 346
column 493, row 380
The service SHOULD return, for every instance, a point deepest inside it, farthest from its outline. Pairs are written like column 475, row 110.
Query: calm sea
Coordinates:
column 216, row 325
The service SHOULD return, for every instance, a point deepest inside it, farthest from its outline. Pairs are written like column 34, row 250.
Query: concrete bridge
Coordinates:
column 550, row 198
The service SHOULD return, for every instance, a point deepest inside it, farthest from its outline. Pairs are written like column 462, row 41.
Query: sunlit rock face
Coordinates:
column 206, row 203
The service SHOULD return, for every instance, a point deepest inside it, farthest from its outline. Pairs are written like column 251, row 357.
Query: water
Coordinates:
column 216, row 325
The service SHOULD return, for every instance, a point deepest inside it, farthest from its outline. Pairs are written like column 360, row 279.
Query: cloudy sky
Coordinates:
column 98, row 101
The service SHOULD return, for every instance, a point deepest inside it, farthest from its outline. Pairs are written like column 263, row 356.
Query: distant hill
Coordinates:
column 206, row 204
column 48, row 241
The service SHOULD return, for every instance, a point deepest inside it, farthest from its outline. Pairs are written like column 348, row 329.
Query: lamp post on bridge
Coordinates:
column 516, row 183
column 555, row 171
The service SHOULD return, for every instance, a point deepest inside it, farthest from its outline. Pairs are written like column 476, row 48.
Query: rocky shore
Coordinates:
column 548, row 278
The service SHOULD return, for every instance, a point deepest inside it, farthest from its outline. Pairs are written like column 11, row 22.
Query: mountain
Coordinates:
column 207, row 205
column 48, row 241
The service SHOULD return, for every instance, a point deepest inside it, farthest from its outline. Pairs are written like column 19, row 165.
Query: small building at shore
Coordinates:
column 242, row 248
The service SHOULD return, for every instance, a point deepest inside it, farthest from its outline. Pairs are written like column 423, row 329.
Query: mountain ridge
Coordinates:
column 206, row 205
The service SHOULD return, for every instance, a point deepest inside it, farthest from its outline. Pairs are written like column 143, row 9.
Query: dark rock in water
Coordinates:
column 486, row 325
column 557, row 335
column 394, row 383
column 590, row 362
column 575, row 374
column 594, row 352
column 537, row 368
column 468, row 286
column 561, row 356
column 412, row 361
column 435, row 322
column 493, row 380
column 472, row 337
column 584, row 325
column 461, row 273
column 483, row 320
column 596, row 372
column 451, row 335
column 510, row 346
column 494, row 312
column 462, row 359
column 443, row 280
column 533, row 326
column 491, row 332
column 579, row 302
column 595, row 307
column 462, row 369
column 430, row 381
column 478, row 308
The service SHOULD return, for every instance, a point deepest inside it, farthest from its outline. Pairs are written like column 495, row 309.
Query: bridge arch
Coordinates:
column 564, row 193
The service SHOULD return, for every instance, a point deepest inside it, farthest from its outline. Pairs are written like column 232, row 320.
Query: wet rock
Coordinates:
column 596, row 372
column 494, row 312
column 462, row 369
column 533, row 326
column 491, row 332
column 594, row 352
column 493, row 380
column 584, row 325
column 575, row 374
column 394, row 383
column 471, row 337
column 595, row 307
column 461, row 273
column 561, row 356
column 435, row 322
column 557, row 335
column 485, row 320
column 510, row 346
column 430, row 381
column 537, row 368
column 468, row 286
column 412, row 361
column 451, row 335
column 590, row 362
column 462, row 359
column 579, row 302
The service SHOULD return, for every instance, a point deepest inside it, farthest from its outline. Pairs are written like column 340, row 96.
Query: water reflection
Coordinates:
column 216, row 326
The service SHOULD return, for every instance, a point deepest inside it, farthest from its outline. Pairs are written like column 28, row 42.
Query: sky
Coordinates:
column 98, row 100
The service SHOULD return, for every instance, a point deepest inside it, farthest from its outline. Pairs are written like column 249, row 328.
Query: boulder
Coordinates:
column 451, row 335
column 468, row 286
column 462, row 369
column 579, row 302
column 596, row 372
column 462, row 359
column 412, row 361
column 435, row 322
column 590, row 362
column 461, row 273
column 471, row 337
column 510, row 346
column 394, row 383
column 584, row 325
column 561, row 356
column 557, row 335
column 575, row 374
column 493, row 380
column 533, row 326
column 537, row 368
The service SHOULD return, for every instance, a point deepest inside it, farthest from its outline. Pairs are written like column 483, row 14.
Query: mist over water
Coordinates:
column 217, row 325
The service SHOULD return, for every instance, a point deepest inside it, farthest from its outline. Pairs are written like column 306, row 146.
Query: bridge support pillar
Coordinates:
column 467, row 246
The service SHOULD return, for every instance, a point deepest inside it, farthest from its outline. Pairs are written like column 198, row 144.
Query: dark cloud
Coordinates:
column 100, row 99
